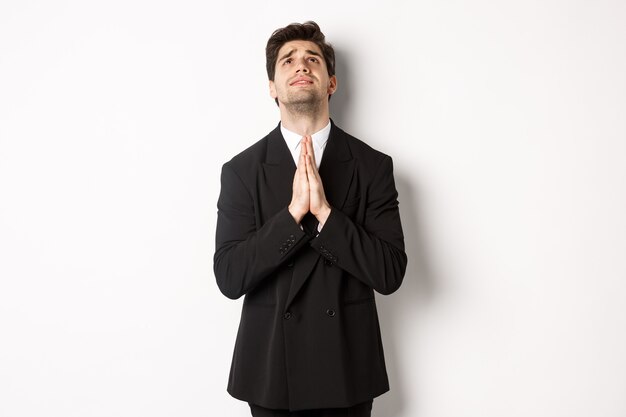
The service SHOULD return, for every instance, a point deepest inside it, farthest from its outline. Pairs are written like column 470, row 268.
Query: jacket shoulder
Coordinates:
column 364, row 153
column 250, row 156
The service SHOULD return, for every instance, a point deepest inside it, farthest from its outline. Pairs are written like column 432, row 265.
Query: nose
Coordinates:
column 302, row 67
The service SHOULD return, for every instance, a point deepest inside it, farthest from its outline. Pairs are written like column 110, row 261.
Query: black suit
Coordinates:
column 309, row 335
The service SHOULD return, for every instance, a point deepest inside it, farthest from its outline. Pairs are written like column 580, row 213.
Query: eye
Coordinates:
column 287, row 61
column 312, row 59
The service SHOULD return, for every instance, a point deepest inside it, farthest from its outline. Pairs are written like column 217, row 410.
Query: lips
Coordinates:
column 301, row 81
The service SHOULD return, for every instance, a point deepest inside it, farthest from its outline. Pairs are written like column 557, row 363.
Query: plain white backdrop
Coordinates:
column 506, row 121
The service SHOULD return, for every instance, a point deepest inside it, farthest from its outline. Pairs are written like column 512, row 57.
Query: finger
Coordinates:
column 303, row 148
column 311, row 151
column 311, row 172
column 302, row 165
column 297, row 176
column 313, row 166
column 309, row 146
column 306, row 164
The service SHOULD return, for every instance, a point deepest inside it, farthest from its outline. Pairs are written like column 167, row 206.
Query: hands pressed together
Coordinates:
column 308, row 190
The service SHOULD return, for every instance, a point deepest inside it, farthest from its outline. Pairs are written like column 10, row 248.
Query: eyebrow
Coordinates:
column 308, row 51
column 313, row 53
column 286, row 55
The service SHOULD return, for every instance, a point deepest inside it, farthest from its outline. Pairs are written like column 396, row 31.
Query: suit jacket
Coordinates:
column 309, row 335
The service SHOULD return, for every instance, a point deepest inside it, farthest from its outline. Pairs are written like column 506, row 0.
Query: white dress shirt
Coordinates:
column 319, row 142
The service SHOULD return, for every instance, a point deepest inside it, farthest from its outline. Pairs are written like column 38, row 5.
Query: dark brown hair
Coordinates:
column 307, row 31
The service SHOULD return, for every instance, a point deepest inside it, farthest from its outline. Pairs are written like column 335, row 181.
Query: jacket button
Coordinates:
column 330, row 312
column 287, row 315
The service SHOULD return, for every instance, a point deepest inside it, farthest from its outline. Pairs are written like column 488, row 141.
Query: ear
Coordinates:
column 332, row 85
column 273, row 90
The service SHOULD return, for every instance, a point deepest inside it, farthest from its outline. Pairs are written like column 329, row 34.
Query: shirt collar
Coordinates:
column 293, row 139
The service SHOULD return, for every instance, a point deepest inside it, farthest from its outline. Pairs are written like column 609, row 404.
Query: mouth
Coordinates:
column 301, row 81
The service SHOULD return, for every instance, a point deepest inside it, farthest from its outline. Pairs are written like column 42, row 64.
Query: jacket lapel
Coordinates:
column 337, row 167
column 278, row 170
column 336, row 171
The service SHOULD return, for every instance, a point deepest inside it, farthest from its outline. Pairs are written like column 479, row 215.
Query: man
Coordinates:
column 308, row 227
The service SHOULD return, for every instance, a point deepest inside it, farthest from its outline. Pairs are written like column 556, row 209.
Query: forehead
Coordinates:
column 299, row 46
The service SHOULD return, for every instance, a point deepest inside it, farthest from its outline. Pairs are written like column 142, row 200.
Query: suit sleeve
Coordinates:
column 374, row 251
column 246, row 254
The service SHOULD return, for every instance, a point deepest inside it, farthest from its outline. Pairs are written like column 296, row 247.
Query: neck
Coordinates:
column 304, row 123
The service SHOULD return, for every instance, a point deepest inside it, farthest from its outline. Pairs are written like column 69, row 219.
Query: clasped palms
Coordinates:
column 308, row 190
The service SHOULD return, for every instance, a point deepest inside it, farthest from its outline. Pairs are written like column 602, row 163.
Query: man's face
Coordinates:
column 301, row 78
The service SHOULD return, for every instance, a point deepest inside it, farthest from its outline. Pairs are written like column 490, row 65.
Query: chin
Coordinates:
column 305, row 97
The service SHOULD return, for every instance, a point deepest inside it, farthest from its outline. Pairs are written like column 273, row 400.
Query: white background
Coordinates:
column 507, row 124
